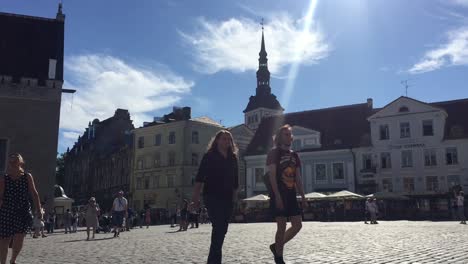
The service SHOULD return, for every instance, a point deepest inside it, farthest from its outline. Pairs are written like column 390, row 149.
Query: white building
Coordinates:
column 417, row 148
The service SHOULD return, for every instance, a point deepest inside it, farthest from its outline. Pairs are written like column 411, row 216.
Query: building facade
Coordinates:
column 100, row 162
column 417, row 148
column 324, row 140
column 31, row 79
column 167, row 154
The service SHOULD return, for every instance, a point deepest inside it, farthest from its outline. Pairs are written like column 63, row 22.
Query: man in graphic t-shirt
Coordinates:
column 284, row 167
column 119, row 211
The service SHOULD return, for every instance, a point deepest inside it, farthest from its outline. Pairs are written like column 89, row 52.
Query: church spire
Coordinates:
column 263, row 74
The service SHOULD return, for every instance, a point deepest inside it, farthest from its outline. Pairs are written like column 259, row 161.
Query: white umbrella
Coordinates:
column 345, row 195
column 315, row 195
column 387, row 196
column 258, row 198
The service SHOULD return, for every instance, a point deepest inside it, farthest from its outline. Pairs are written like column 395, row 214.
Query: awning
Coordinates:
column 315, row 195
column 388, row 196
column 345, row 195
column 257, row 198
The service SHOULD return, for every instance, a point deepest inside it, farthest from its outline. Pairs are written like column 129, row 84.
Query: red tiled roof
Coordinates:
column 340, row 127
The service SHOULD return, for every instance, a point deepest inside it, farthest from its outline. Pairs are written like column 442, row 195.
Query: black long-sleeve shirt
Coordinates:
column 219, row 175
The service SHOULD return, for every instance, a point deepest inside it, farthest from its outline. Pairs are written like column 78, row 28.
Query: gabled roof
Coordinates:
column 456, row 124
column 27, row 44
column 206, row 120
column 340, row 127
column 423, row 104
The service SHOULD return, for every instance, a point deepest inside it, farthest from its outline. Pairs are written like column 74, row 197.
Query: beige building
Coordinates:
column 166, row 158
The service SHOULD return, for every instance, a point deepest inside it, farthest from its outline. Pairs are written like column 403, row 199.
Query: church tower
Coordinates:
column 263, row 103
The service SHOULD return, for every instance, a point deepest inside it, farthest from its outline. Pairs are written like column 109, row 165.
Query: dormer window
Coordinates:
column 403, row 109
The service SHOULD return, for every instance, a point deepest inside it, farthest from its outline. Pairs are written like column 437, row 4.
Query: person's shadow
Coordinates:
column 80, row 240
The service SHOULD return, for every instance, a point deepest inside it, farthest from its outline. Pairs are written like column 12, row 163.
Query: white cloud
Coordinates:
column 454, row 52
column 234, row 44
column 105, row 83
column 461, row 2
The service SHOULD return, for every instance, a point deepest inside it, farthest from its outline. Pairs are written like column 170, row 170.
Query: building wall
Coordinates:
column 163, row 185
column 256, row 167
column 29, row 117
column 417, row 144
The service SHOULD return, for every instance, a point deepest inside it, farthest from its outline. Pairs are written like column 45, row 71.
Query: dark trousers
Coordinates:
column 220, row 213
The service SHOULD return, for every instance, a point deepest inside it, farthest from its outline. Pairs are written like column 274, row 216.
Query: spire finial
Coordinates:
column 60, row 15
column 261, row 23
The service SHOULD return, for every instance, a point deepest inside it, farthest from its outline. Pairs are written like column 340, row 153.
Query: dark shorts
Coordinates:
column 291, row 206
column 117, row 218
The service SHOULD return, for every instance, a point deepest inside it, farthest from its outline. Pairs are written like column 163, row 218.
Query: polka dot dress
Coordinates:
column 15, row 213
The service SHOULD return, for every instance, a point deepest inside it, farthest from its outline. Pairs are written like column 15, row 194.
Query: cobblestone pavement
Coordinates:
column 388, row 242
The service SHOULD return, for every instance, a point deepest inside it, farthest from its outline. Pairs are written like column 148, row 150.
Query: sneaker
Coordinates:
column 115, row 233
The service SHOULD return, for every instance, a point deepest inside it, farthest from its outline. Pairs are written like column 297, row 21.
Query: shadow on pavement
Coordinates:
column 79, row 240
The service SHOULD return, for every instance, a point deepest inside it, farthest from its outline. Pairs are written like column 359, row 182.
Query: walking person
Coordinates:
column 461, row 207
column 67, row 221
column 38, row 225
column 91, row 216
column 15, row 209
column 284, row 167
column 184, row 217
column 75, row 220
column 218, row 175
column 119, row 212
column 148, row 216
column 366, row 210
column 373, row 211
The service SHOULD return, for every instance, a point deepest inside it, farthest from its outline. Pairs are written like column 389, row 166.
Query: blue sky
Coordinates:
column 147, row 56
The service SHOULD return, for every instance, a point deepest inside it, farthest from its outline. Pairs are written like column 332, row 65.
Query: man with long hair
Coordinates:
column 284, row 167
column 218, row 175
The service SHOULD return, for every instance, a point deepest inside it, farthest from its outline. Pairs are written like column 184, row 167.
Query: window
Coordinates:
column 408, row 184
column 147, row 182
column 171, row 160
column 296, row 144
column 385, row 160
column 141, row 142
column 157, row 160
column 451, row 156
column 157, row 140
column 139, row 181
column 194, row 137
column 338, row 171
column 3, row 155
column 320, row 172
column 430, row 158
column 432, row 183
column 172, row 138
column 140, row 164
column 194, row 159
column 384, row 132
column 170, row 180
column 453, row 180
column 403, row 109
column 428, row 128
column 259, row 176
column 155, row 181
column 387, row 185
column 406, row 159
column 367, row 161
column 405, row 130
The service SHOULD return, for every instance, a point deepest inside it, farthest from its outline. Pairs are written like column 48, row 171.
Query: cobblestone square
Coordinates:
column 388, row 242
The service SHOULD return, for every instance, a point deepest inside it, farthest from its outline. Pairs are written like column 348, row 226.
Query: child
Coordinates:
column 38, row 224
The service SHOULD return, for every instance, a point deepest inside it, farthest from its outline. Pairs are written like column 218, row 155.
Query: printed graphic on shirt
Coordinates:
column 288, row 167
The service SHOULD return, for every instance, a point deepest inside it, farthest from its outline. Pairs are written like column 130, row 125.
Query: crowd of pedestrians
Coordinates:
column 217, row 177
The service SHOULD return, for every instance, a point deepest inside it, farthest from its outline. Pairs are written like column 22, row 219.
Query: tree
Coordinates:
column 60, row 170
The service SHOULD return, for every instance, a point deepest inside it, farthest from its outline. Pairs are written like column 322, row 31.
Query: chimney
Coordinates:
column 370, row 103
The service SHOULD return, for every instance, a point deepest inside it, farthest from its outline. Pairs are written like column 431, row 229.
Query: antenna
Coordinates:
column 406, row 85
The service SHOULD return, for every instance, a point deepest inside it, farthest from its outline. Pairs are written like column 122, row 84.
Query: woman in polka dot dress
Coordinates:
column 15, row 209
